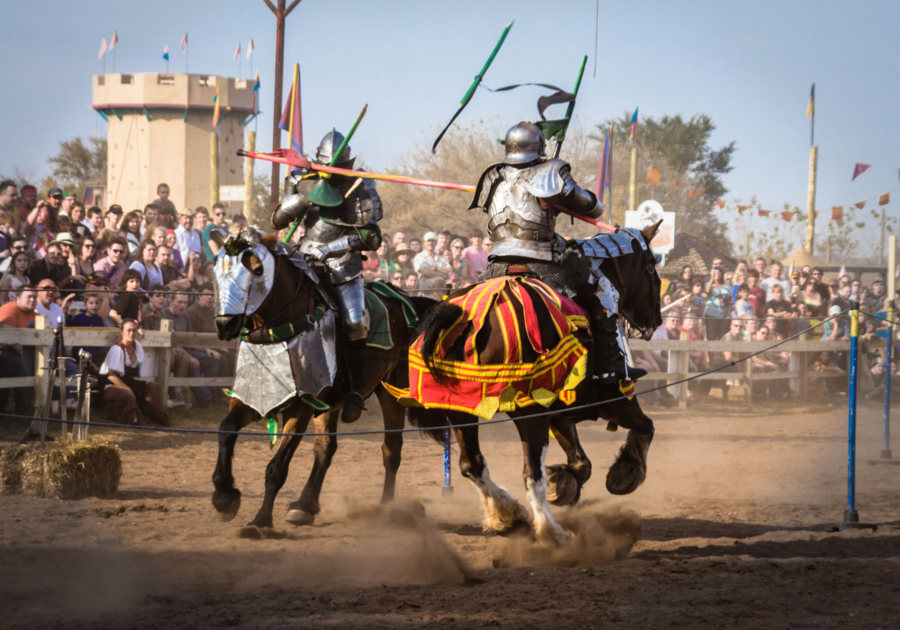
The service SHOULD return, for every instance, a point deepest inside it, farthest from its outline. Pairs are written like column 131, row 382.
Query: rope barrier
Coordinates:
column 563, row 412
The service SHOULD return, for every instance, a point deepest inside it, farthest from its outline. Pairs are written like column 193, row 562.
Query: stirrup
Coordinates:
column 636, row 373
column 354, row 405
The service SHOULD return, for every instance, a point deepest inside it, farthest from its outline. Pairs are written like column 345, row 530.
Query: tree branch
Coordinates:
column 290, row 8
column 271, row 6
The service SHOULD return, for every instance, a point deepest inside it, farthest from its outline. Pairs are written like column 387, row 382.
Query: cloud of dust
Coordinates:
column 591, row 538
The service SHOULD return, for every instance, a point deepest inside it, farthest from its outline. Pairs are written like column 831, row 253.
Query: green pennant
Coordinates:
column 272, row 427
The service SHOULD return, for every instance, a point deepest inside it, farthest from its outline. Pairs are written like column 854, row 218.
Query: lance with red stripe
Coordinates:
column 292, row 158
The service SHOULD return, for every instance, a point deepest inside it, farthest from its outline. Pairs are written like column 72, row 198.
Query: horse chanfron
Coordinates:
column 245, row 271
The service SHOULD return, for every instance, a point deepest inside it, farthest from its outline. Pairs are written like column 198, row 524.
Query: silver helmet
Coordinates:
column 524, row 143
column 330, row 143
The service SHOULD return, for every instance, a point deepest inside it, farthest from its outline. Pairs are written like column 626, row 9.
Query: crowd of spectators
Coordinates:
column 90, row 267
column 762, row 303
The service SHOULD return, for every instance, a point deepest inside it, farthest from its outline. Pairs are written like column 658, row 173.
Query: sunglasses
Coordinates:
column 118, row 251
column 20, row 248
column 87, row 246
column 219, row 214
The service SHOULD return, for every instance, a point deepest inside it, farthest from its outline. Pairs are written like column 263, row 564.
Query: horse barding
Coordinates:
column 290, row 364
column 512, row 344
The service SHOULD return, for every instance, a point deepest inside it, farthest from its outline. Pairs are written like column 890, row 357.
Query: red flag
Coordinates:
column 764, row 213
column 720, row 203
column 237, row 52
column 787, row 216
column 292, row 107
column 837, row 213
column 884, row 199
column 693, row 192
column 183, row 43
column 653, row 176
column 859, row 169
column 741, row 209
column 860, row 204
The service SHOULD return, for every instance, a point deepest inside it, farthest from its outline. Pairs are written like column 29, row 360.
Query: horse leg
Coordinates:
column 394, row 418
column 630, row 468
column 298, row 416
column 534, row 433
column 503, row 514
column 226, row 498
column 564, row 481
column 303, row 511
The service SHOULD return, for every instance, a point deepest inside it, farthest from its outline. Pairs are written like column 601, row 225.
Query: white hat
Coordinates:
column 834, row 310
column 429, row 236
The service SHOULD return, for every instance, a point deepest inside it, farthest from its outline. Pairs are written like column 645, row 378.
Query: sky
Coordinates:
column 748, row 65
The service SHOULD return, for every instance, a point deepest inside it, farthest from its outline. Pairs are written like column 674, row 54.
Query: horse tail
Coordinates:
column 430, row 327
column 435, row 420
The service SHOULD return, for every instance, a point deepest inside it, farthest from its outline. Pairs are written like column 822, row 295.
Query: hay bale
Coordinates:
column 67, row 470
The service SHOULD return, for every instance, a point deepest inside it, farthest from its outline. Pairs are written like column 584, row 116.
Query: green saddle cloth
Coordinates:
column 379, row 326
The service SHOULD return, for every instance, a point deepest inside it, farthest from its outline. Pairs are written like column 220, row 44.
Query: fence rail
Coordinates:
column 157, row 346
column 158, row 352
column 679, row 350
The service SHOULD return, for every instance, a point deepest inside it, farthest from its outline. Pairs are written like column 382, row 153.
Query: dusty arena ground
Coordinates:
column 725, row 530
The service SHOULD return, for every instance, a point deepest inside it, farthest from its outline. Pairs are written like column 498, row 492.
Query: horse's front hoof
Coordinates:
column 253, row 532
column 227, row 503
column 562, row 485
column 625, row 476
column 299, row 518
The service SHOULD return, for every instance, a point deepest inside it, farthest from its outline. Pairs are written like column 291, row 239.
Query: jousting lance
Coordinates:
column 471, row 91
column 292, row 158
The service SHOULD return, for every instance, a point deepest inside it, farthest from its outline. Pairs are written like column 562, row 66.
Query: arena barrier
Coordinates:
column 157, row 346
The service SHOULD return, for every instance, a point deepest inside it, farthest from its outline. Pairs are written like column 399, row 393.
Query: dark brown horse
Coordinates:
column 290, row 299
column 635, row 277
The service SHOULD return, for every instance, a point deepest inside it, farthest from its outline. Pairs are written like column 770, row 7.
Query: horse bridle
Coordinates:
column 650, row 268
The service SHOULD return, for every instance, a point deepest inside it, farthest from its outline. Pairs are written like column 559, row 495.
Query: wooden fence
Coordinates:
column 798, row 368
column 157, row 345
column 158, row 354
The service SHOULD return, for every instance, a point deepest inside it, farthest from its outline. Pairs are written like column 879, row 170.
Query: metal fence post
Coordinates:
column 164, row 359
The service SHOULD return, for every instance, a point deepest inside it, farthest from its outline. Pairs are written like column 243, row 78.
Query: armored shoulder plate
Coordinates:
column 361, row 203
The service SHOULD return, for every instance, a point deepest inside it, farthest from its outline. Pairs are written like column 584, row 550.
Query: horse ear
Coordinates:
column 650, row 231
column 216, row 237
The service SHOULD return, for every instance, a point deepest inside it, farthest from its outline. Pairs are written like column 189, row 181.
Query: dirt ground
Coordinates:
column 722, row 534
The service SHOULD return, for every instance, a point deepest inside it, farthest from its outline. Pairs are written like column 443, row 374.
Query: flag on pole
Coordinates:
column 237, row 52
column 291, row 117
column 166, row 52
column 859, row 169
column 183, row 43
column 215, row 121
column 255, row 90
column 842, row 272
column 811, row 109
column 633, row 124
column 250, row 48
column 114, row 40
column 102, row 49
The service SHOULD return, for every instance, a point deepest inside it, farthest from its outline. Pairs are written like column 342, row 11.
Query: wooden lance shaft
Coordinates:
column 811, row 201
column 633, row 176
column 213, row 169
column 248, row 175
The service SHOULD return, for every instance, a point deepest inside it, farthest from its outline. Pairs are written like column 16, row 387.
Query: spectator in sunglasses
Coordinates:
column 113, row 266
column 218, row 223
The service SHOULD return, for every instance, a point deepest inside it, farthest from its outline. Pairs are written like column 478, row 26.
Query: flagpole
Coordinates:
column 813, row 161
column 609, row 175
column 633, row 174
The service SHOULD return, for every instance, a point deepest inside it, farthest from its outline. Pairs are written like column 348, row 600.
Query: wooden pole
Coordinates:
column 811, row 202
column 248, row 175
column 633, row 176
column 280, row 14
column 213, row 169
column 609, row 176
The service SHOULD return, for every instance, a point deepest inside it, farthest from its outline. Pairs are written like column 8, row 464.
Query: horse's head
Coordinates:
column 245, row 272
column 640, row 298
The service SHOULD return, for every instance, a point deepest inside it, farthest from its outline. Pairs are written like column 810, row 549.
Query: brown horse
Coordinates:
column 293, row 295
column 635, row 277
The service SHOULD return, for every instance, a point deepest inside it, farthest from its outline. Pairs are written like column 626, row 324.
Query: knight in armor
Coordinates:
column 337, row 236
column 520, row 196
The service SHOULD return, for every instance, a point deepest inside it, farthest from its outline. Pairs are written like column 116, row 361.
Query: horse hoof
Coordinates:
column 625, row 476
column 299, row 518
column 227, row 503
column 562, row 486
column 254, row 532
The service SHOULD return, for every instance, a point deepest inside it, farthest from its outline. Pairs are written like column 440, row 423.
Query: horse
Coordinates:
column 634, row 275
column 293, row 296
